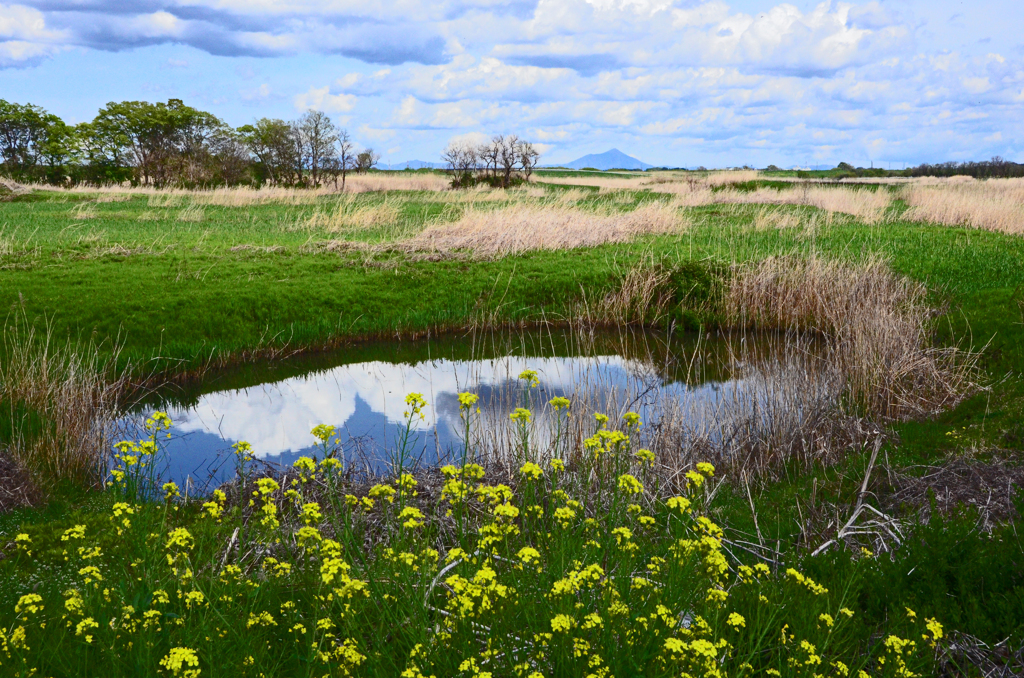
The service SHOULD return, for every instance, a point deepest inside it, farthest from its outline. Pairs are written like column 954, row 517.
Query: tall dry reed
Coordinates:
column 991, row 204
column 349, row 213
column 876, row 325
column 60, row 403
column 517, row 228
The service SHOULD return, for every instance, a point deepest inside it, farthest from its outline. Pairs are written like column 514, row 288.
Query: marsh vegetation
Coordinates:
column 865, row 339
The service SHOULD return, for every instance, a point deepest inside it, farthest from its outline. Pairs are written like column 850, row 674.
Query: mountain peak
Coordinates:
column 610, row 159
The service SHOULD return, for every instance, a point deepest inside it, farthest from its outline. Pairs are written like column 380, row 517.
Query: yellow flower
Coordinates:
column 520, row 415
column 681, row 504
column 76, row 532
column 530, row 377
column 84, row 626
column 717, row 596
column 528, row 555
column 557, row 465
column 706, row 468
column 180, row 538
column 467, row 400
column 935, row 628
column 559, row 403
column 632, row 420
column 194, row 599
column 531, row 470
column 30, row 603
column 645, row 457
column 736, row 620
column 261, row 619
column 181, row 662
column 561, row 622
column 630, row 485
column 308, row 536
column 694, row 478
column 816, row 589
column 170, row 491
column 91, row 574
column 412, row 517
column 323, row 432
column 826, row 619
column 311, row 513
column 416, row 405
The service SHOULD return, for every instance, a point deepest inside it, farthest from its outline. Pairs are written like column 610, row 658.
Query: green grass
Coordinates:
column 177, row 290
column 579, row 571
column 182, row 294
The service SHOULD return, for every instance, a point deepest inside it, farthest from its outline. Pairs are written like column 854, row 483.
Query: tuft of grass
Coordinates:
column 59, row 403
column 514, row 229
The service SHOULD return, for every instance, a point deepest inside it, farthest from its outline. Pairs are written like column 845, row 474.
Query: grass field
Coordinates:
column 171, row 281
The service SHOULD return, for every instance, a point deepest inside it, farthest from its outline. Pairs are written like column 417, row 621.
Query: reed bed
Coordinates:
column 60, row 404
column 241, row 196
column 991, row 204
column 350, row 213
column 518, row 228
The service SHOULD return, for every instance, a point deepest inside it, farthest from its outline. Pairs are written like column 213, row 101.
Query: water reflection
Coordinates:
column 275, row 408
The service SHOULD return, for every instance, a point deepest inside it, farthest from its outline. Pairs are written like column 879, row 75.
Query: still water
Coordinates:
column 361, row 390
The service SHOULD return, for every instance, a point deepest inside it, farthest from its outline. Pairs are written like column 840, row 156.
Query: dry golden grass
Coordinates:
column 610, row 183
column 397, row 181
column 193, row 213
column 517, row 228
column 349, row 214
column 992, row 204
column 691, row 189
column 876, row 324
column 869, row 206
column 241, row 196
column 732, row 177
column 63, row 405
column 485, row 194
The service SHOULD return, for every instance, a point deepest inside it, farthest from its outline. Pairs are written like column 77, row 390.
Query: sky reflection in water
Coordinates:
column 366, row 401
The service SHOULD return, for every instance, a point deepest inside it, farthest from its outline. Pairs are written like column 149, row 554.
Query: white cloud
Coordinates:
column 25, row 38
column 672, row 81
column 322, row 100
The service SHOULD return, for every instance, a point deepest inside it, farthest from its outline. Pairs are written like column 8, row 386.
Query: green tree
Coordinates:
column 275, row 146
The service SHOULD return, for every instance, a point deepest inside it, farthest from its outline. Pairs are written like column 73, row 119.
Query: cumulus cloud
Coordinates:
column 25, row 38
column 667, row 78
column 322, row 100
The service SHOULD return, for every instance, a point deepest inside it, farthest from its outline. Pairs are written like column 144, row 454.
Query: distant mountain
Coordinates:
column 613, row 159
column 415, row 164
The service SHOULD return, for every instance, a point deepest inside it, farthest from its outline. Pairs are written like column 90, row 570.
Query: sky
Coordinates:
column 716, row 83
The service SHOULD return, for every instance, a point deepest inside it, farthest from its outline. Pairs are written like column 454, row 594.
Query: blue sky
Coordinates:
column 687, row 82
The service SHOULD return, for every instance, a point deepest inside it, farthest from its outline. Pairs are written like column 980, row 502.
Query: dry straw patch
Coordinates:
column 517, row 228
column 72, row 395
column 193, row 213
column 350, row 213
column 876, row 325
column 991, row 204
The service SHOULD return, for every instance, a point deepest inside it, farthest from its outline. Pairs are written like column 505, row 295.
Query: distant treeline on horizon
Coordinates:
column 171, row 144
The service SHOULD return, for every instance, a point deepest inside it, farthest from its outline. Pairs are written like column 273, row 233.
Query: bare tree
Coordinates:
column 508, row 156
column 366, row 160
column 488, row 154
column 319, row 141
column 344, row 157
column 461, row 160
column 528, row 157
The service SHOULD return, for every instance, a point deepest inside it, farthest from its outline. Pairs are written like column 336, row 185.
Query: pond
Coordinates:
column 361, row 390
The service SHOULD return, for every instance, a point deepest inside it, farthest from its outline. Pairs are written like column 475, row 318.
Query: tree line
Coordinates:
column 171, row 144
column 503, row 161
